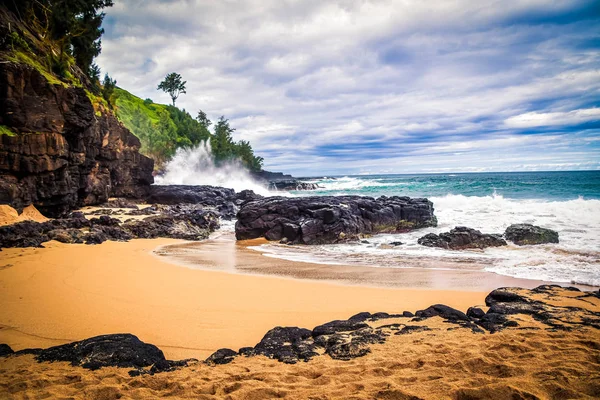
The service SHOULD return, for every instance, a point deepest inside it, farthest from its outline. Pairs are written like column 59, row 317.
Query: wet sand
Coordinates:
column 223, row 253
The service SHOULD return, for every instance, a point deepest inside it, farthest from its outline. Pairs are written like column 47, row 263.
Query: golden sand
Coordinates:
column 68, row 292
column 438, row 364
column 9, row 215
column 63, row 293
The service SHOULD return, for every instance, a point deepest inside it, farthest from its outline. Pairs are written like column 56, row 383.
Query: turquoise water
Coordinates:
column 513, row 185
column 568, row 202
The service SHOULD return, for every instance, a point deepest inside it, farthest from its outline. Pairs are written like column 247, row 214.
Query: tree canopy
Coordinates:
column 74, row 27
column 173, row 85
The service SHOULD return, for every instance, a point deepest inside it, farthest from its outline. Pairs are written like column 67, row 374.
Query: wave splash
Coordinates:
column 196, row 166
column 576, row 259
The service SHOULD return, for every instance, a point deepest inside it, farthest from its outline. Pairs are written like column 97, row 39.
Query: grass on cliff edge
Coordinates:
column 5, row 130
column 129, row 105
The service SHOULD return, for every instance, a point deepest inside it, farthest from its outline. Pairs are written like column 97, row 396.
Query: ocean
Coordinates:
column 568, row 202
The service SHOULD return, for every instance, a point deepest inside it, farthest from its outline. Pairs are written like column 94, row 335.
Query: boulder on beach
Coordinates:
column 331, row 219
column 462, row 237
column 527, row 234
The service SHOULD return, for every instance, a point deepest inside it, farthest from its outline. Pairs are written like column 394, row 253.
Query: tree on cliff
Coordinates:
column 203, row 119
column 173, row 85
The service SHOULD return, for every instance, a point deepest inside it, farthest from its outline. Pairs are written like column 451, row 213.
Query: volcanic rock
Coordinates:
column 462, row 237
column 288, row 345
column 221, row 356
column 63, row 154
column 119, row 350
column 527, row 234
column 330, row 219
column 224, row 200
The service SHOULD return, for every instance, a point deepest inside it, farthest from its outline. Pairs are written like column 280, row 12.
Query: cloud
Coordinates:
column 536, row 119
column 381, row 85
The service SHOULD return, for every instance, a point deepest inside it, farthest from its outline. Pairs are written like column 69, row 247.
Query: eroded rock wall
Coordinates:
column 63, row 153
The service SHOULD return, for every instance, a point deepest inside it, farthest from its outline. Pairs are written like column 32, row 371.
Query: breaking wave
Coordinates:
column 196, row 166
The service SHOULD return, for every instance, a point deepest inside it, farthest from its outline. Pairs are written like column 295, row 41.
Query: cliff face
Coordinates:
column 62, row 154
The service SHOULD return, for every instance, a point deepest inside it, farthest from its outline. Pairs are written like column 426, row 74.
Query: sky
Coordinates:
column 369, row 87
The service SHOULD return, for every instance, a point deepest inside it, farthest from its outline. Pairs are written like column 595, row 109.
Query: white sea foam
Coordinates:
column 196, row 166
column 348, row 183
column 576, row 259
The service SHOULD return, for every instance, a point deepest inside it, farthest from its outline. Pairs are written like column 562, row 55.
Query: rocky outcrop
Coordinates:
column 225, row 201
column 268, row 176
column 118, row 350
column 527, row 234
column 189, row 222
column 280, row 181
column 292, row 184
column 330, row 219
column 460, row 238
column 63, row 153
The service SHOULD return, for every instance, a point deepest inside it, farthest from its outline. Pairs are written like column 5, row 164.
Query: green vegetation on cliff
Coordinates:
column 61, row 38
column 163, row 129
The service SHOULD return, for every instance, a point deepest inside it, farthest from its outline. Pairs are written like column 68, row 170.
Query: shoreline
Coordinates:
column 242, row 259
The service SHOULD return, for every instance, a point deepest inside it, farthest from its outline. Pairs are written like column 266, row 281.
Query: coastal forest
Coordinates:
column 61, row 38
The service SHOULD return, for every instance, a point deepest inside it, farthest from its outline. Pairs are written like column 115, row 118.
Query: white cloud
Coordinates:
column 308, row 82
column 534, row 119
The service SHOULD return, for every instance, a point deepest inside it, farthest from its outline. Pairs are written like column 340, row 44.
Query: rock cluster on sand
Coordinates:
column 462, row 237
column 330, row 219
column 346, row 339
column 188, row 222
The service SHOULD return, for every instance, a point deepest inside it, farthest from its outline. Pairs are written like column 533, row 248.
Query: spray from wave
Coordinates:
column 196, row 166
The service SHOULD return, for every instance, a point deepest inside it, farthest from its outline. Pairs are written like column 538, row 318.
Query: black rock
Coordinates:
column 330, row 219
column 360, row 317
column 408, row 314
column 105, row 220
column 443, row 311
column 475, row 312
column 288, row 345
column 5, row 350
column 291, row 184
column 504, row 295
column 338, row 326
column 222, row 199
column 462, row 238
column 95, row 237
column 527, row 234
column 408, row 329
column 118, row 350
column 24, row 352
column 221, row 356
column 246, row 351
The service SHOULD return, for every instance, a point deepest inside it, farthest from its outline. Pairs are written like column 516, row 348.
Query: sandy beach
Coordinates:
column 63, row 293
column 190, row 299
